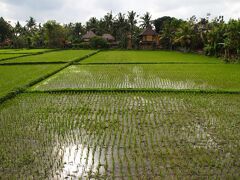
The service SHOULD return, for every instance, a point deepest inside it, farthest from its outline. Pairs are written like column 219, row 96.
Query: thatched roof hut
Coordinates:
column 108, row 37
column 149, row 38
column 88, row 35
column 149, row 32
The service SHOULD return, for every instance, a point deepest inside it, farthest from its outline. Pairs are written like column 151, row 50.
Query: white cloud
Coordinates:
column 81, row 10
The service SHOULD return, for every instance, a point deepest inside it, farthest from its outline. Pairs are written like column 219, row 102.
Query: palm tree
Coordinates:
column 108, row 22
column 5, row 30
column 18, row 29
column 92, row 23
column 132, row 20
column 121, row 28
column 31, row 23
column 146, row 20
column 168, row 31
column 185, row 35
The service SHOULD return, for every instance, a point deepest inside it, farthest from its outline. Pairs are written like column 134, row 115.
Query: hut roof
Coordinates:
column 89, row 35
column 108, row 37
column 149, row 32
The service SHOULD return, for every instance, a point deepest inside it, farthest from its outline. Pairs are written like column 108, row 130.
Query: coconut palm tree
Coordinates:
column 146, row 20
column 132, row 20
column 121, row 28
column 31, row 23
column 184, row 36
column 92, row 23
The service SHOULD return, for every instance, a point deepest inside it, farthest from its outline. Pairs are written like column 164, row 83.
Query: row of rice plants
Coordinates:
column 63, row 56
column 108, row 57
column 120, row 135
column 203, row 77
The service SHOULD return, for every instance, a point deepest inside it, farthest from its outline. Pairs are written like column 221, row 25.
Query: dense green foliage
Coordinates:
column 14, row 77
column 216, row 37
column 113, row 135
column 98, row 43
column 148, row 57
column 56, row 56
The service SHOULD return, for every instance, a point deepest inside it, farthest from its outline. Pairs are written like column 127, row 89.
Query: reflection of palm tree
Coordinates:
column 146, row 20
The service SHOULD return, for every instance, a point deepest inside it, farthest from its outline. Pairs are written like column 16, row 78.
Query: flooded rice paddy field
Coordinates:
column 120, row 135
column 164, row 76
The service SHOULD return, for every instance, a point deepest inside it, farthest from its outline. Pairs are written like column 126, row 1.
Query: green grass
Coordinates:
column 23, row 51
column 58, row 56
column 14, row 77
column 149, row 57
column 120, row 135
column 164, row 76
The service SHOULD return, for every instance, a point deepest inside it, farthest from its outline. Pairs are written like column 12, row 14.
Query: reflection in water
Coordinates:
column 79, row 161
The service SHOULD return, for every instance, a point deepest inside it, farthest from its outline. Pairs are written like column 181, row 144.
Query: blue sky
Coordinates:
column 66, row 11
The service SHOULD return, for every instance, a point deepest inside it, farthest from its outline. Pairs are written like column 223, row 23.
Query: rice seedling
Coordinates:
column 119, row 57
column 120, row 135
column 219, row 77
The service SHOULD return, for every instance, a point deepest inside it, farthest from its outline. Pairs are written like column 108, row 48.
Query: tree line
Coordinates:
column 212, row 36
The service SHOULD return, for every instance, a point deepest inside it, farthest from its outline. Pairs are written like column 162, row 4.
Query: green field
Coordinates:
column 119, row 115
column 23, row 51
column 58, row 56
column 151, row 76
column 14, row 77
column 6, row 56
column 120, row 135
column 149, row 57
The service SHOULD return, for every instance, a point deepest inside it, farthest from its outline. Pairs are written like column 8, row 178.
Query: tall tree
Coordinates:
column 168, row 32
column 92, row 24
column 215, row 37
column 134, row 30
column 132, row 20
column 121, row 28
column 160, row 22
column 146, row 20
column 31, row 23
column 184, row 36
column 5, row 30
column 232, row 40
column 55, row 34
column 106, row 23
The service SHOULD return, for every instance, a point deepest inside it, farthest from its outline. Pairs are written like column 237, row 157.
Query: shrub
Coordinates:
column 98, row 43
column 82, row 45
